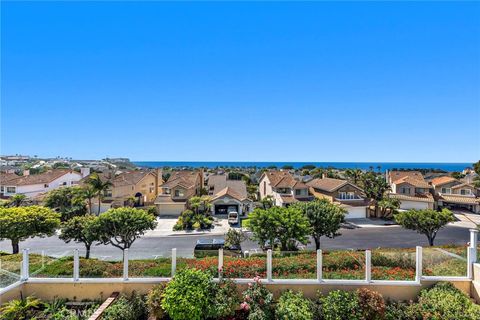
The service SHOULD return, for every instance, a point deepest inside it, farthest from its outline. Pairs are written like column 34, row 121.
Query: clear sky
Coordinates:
column 251, row 81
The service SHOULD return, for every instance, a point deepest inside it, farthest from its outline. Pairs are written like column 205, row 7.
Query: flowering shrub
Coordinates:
column 257, row 301
column 371, row 303
column 225, row 300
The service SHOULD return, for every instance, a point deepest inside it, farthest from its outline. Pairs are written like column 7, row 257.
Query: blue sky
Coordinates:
column 345, row 81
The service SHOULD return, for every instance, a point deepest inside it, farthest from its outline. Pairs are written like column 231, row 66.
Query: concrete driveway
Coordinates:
column 165, row 228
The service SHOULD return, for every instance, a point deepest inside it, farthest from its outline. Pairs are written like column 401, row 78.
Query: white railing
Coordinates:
column 319, row 279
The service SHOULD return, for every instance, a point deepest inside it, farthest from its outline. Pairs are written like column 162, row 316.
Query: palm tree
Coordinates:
column 354, row 175
column 89, row 193
column 96, row 183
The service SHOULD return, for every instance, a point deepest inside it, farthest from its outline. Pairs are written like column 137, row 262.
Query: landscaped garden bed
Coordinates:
column 387, row 264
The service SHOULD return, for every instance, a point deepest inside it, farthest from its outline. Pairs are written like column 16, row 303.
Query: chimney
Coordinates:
column 26, row 172
column 85, row 172
column 323, row 176
column 158, row 180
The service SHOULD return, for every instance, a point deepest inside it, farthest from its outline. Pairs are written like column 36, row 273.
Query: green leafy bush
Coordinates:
column 23, row 309
column 154, row 301
column 257, row 301
column 189, row 295
column 127, row 309
column 444, row 301
column 341, row 305
column 293, row 305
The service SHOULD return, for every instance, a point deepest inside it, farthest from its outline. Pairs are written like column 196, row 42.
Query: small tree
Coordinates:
column 388, row 207
column 277, row 224
column 69, row 202
column 89, row 193
column 81, row 229
column 427, row 221
column 20, row 223
column 325, row 218
column 234, row 238
column 16, row 200
column 121, row 227
column 267, row 202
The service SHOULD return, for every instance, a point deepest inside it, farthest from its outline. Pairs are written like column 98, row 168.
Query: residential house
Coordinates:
column 411, row 189
column 228, row 194
column 36, row 184
column 455, row 194
column 175, row 192
column 283, row 188
column 342, row 192
column 141, row 185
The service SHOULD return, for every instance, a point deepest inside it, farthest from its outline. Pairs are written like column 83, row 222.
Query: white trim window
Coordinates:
column 404, row 190
column 346, row 195
column 11, row 190
column 447, row 190
column 465, row 192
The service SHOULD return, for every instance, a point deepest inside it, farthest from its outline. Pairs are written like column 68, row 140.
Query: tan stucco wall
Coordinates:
column 100, row 291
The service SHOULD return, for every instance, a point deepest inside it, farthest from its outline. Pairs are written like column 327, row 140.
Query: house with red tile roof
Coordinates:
column 411, row 189
column 228, row 195
column 342, row 192
column 455, row 194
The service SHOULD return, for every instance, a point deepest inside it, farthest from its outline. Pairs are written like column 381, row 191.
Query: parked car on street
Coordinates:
column 209, row 247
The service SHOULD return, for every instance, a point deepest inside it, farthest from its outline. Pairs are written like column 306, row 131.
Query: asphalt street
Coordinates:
column 151, row 247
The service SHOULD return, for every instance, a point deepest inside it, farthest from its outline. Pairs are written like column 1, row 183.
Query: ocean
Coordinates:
column 338, row 165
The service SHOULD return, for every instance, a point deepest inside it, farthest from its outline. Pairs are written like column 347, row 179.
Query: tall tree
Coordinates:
column 476, row 180
column 121, row 227
column 354, row 175
column 81, row 229
column 69, row 202
column 20, row 223
column 89, row 193
column 325, row 218
column 427, row 221
column 375, row 187
column 100, row 186
column 388, row 207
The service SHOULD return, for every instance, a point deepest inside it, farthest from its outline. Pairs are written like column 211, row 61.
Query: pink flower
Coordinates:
column 245, row 306
column 247, row 297
column 250, row 284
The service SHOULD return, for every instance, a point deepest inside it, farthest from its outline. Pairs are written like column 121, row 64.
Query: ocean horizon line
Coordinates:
column 446, row 166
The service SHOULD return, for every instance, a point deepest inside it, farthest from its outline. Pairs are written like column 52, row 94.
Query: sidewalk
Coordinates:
column 368, row 223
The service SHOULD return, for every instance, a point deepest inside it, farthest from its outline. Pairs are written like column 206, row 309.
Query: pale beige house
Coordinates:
column 283, row 188
column 228, row 195
column 341, row 192
column 142, row 186
column 455, row 194
column 175, row 192
column 411, row 189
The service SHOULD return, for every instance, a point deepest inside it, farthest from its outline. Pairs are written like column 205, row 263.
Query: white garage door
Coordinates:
column 170, row 209
column 356, row 212
column 406, row 205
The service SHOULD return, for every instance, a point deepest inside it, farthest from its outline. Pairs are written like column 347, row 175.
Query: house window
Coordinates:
column 405, row 190
column 420, row 190
column 264, row 187
column 11, row 190
column 298, row 192
column 45, row 185
column 346, row 195
column 446, row 190
column 1, row 189
column 178, row 193
column 64, row 183
column 465, row 192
